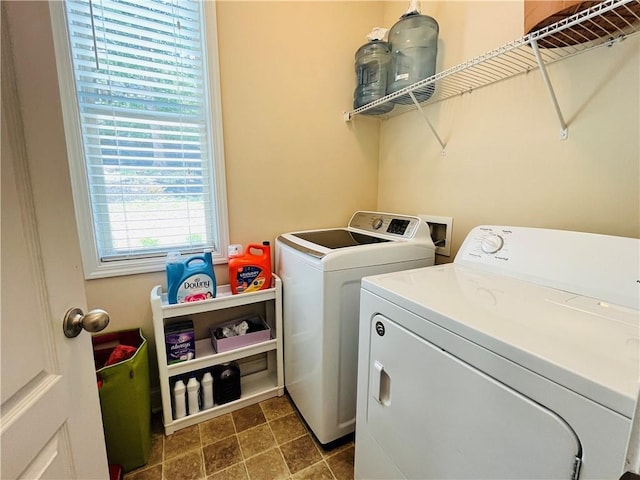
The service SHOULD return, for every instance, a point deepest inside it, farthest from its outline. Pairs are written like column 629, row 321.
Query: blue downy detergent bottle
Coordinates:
column 190, row 279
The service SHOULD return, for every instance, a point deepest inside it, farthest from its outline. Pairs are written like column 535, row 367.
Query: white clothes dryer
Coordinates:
column 517, row 361
column 320, row 272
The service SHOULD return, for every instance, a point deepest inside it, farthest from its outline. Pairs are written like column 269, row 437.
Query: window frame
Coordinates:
column 93, row 266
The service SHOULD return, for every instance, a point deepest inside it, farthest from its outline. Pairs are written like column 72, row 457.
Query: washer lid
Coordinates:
column 338, row 238
column 582, row 343
column 370, row 239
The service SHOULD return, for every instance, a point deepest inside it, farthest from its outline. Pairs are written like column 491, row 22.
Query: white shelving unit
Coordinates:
column 604, row 24
column 255, row 386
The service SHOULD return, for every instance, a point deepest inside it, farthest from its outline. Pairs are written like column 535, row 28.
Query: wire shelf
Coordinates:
column 601, row 25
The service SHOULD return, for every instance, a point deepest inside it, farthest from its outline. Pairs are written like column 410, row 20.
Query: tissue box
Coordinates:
column 180, row 340
column 258, row 332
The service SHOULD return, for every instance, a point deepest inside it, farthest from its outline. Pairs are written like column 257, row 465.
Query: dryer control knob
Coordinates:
column 376, row 223
column 492, row 243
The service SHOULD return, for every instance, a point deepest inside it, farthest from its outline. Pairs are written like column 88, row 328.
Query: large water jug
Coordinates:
column 414, row 45
column 372, row 65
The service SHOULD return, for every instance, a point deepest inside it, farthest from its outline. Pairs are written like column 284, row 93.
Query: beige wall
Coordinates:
column 504, row 161
column 287, row 76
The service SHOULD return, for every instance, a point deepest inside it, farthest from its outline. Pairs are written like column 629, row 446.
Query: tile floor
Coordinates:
column 266, row 441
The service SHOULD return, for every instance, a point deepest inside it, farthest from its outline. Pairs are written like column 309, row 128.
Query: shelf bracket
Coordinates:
column 564, row 133
column 433, row 130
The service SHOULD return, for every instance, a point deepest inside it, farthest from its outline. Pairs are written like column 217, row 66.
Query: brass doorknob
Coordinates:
column 75, row 320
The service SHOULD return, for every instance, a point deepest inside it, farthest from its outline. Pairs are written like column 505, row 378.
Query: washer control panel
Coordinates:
column 593, row 265
column 401, row 226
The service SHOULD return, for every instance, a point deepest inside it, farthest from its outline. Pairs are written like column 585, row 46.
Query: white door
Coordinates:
column 50, row 424
column 438, row 417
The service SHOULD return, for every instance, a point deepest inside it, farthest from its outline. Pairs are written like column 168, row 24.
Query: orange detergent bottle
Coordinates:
column 251, row 271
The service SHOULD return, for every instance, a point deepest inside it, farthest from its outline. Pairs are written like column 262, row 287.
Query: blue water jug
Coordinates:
column 413, row 41
column 372, row 66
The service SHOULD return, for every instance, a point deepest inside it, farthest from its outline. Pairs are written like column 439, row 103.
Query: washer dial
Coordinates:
column 492, row 243
column 376, row 223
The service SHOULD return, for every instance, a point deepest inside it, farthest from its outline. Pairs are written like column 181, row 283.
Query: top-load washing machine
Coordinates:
column 518, row 360
column 321, row 272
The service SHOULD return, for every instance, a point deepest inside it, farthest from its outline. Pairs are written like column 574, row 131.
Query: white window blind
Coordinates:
column 141, row 84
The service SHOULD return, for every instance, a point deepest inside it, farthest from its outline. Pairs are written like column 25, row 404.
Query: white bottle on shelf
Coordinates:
column 193, row 392
column 179, row 392
column 207, row 391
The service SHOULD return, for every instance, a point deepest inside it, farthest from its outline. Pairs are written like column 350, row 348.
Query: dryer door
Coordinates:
column 437, row 417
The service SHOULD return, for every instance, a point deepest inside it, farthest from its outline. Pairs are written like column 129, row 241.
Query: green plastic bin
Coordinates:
column 125, row 398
